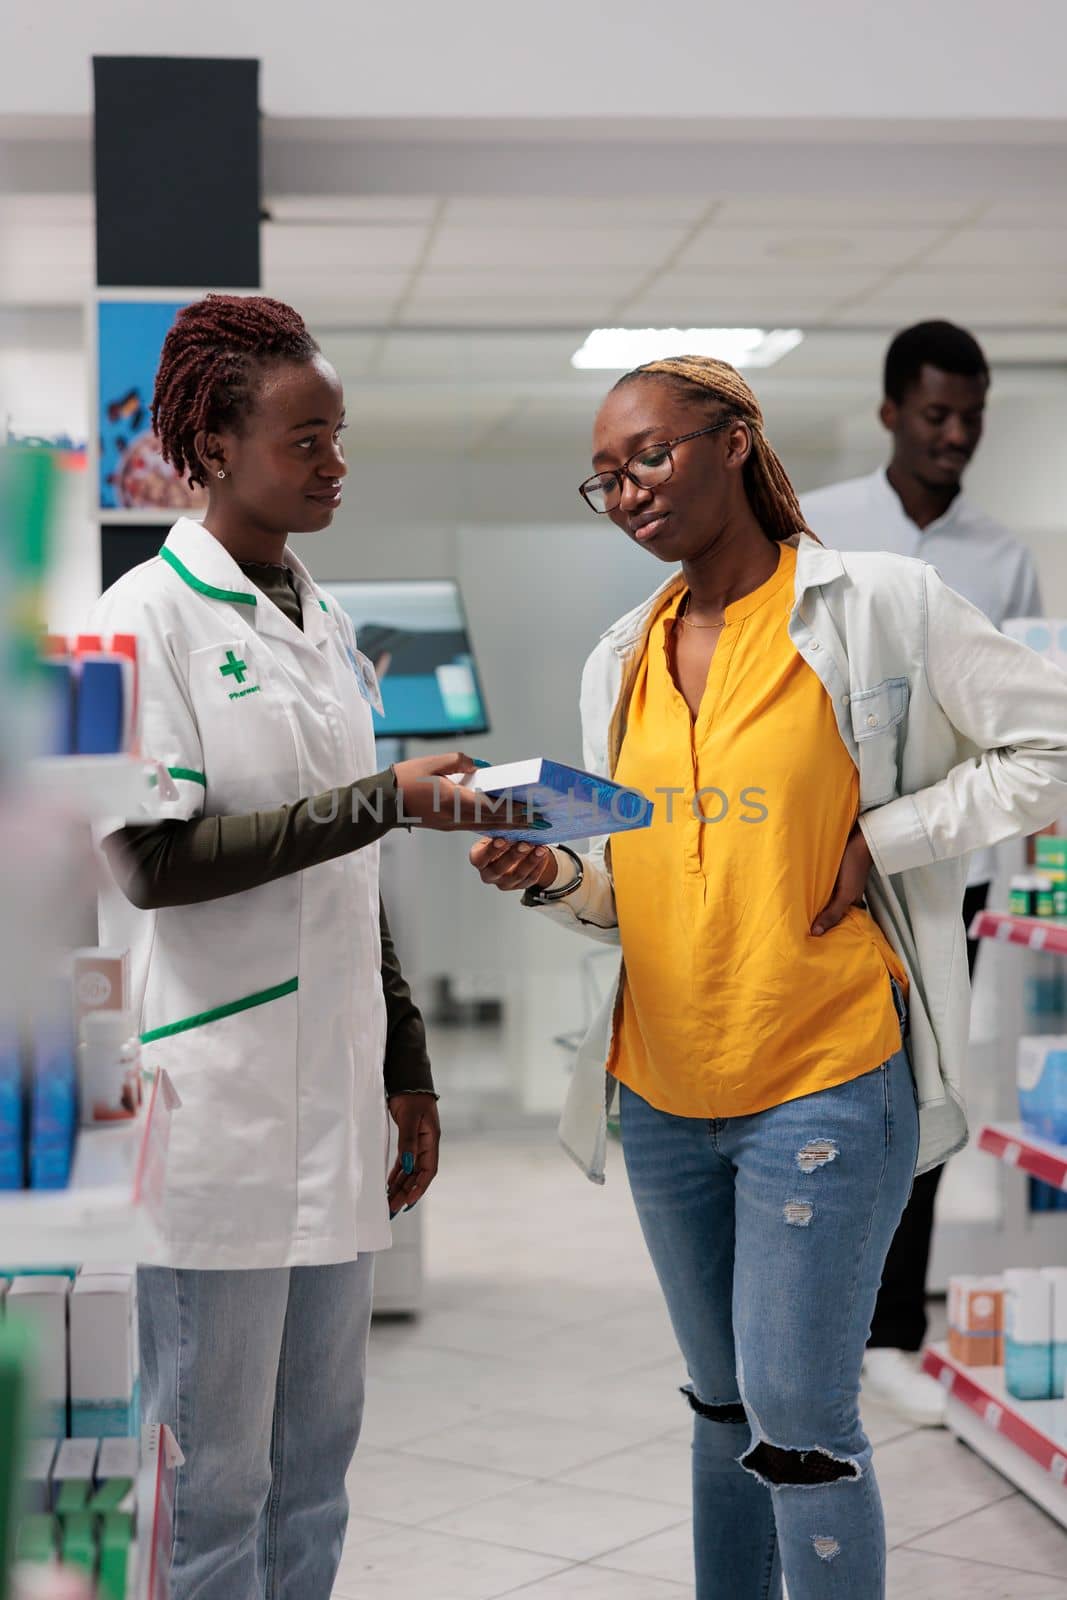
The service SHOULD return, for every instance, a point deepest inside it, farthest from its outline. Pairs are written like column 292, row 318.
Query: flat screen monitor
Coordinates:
column 415, row 632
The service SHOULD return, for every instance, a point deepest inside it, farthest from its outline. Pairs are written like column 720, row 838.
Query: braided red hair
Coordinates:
column 209, row 366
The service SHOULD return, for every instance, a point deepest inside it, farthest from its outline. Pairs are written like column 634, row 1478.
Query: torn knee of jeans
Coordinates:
column 826, row 1546
column 817, row 1153
column 798, row 1213
column 732, row 1412
column 801, row 1468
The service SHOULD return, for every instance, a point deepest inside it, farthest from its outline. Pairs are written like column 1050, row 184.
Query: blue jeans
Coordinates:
column 260, row 1374
column 768, row 1234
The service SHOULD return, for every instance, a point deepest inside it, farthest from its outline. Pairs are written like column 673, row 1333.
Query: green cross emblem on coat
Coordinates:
column 234, row 668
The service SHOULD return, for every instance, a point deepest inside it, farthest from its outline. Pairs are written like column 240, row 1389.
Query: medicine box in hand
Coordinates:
column 574, row 804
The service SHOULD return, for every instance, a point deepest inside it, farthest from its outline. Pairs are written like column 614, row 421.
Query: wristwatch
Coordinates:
column 547, row 897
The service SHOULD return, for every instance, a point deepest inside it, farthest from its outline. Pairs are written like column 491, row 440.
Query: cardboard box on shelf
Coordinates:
column 42, row 1304
column 101, row 981
column 104, row 1395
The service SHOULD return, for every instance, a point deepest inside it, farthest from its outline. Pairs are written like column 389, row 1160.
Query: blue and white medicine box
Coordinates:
column 1042, row 1081
column 574, row 804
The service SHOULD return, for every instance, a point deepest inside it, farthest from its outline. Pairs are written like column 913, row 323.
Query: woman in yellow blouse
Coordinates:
column 768, row 1108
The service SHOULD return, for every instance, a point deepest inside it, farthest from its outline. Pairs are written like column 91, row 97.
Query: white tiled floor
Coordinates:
column 524, row 1437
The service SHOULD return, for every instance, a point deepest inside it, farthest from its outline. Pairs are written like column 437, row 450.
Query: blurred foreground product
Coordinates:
column 15, row 1358
column 49, row 1583
column 27, row 501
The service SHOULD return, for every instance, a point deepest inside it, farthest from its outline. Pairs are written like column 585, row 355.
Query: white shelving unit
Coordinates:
column 106, row 1213
column 150, row 1558
column 1026, row 1440
column 95, row 787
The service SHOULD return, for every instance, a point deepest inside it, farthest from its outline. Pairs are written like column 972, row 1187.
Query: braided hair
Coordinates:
column 770, row 494
column 208, row 371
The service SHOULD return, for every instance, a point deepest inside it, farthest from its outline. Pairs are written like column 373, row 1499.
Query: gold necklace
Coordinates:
column 698, row 627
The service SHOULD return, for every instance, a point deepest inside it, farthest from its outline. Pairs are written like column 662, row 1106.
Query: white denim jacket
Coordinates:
column 960, row 738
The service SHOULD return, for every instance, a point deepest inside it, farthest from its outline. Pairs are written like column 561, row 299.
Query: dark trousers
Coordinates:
column 900, row 1312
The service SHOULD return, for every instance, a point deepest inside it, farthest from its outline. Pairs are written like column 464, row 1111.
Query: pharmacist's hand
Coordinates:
column 513, row 866
column 429, row 800
column 851, row 883
column 418, row 1145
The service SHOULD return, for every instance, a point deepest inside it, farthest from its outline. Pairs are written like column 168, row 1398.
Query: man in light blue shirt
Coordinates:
column 936, row 383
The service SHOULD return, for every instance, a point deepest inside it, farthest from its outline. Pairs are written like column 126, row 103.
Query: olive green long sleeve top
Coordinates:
column 174, row 863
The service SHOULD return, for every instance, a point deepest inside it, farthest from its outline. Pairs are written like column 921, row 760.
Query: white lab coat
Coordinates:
column 265, row 1007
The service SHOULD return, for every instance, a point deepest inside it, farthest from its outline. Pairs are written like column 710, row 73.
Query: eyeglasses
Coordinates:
column 647, row 468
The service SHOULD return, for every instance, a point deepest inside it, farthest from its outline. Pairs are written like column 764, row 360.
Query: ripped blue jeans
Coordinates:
column 768, row 1234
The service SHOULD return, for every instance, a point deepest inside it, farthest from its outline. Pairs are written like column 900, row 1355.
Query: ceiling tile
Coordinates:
column 591, row 284
column 535, row 248
column 842, row 212
column 1015, row 248
column 361, row 208
column 806, row 247
column 599, row 211
column 312, row 248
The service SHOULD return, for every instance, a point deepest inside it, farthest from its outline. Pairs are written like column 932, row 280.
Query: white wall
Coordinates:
column 570, row 58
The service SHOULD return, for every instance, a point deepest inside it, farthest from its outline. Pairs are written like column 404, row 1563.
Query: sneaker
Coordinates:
column 893, row 1378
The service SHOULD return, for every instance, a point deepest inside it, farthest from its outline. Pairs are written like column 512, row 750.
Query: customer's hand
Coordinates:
column 419, row 1141
column 428, row 799
column 513, row 866
column 851, row 884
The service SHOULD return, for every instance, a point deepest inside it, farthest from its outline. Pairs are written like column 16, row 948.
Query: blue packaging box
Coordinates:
column 12, row 1110
column 574, row 804
column 101, row 708
column 53, row 1103
column 1042, row 1083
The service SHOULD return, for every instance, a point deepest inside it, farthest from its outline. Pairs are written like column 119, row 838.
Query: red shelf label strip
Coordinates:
column 999, row 1416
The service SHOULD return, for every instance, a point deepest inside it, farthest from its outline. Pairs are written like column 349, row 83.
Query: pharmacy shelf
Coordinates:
column 1033, row 933
column 160, row 1460
column 1025, row 1440
column 106, row 1213
column 1011, row 1143
column 95, row 787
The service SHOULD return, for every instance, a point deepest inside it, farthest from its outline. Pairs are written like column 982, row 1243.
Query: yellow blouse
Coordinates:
column 730, row 1005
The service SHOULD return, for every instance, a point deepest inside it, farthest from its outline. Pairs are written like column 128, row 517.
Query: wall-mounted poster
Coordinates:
column 133, row 477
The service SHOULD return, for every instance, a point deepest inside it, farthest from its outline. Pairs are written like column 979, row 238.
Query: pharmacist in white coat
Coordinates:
column 936, row 383
column 262, row 965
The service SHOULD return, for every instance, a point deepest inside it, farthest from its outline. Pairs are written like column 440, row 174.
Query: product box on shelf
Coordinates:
column 12, row 1109
column 976, row 1320
column 42, row 1303
column 117, row 1467
column 1046, row 635
column 73, row 1475
column 1057, row 1278
column 104, row 1394
column 101, row 981
column 53, row 1099
column 91, row 694
column 1027, row 1334
column 1042, row 1081
column 37, row 1474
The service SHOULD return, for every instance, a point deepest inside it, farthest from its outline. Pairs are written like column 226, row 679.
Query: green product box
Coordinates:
column 79, row 1542
column 115, row 1540
column 110, row 1496
column 38, row 1539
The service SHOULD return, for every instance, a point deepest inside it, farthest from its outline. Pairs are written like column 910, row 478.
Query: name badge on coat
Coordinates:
column 366, row 679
